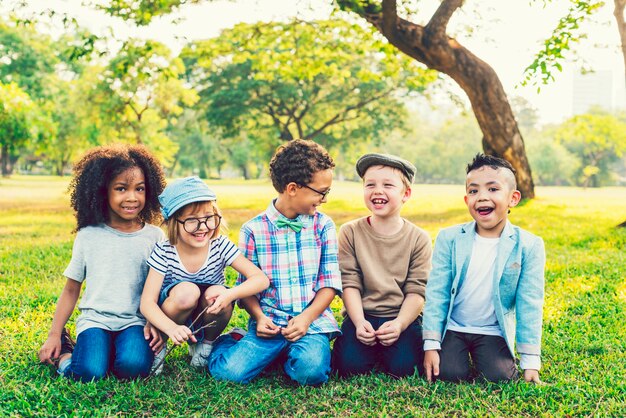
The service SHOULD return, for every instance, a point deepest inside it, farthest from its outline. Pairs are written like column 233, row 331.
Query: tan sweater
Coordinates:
column 384, row 268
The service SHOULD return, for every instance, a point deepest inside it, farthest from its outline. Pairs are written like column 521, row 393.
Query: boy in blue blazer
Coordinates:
column 485, row 292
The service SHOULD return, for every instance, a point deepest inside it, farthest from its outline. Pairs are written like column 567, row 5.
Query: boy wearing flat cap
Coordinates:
column 385, row 262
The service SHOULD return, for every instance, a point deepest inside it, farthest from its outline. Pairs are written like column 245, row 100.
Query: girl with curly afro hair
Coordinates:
column 114, row 194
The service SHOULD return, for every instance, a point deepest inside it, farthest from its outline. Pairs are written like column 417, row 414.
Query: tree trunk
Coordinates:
column 5, row 161
column 245, row 171
column 621, row 27
column 431, row 46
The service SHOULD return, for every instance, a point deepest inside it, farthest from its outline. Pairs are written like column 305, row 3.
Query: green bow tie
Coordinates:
column 295, row 225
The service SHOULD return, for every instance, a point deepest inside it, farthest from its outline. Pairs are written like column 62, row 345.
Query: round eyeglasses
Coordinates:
column 191, row 225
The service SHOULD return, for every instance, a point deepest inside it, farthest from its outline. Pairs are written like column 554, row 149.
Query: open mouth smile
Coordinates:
column 484, row 211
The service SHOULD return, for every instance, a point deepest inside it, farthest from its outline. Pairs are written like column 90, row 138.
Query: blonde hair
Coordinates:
column 174, row 227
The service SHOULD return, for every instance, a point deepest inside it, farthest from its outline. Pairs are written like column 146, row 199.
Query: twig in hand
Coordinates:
column 169, row 350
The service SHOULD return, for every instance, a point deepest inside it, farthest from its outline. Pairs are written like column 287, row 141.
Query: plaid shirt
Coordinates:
column 297, row 264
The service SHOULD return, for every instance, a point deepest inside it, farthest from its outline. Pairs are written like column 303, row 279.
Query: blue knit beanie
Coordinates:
column 181, row 192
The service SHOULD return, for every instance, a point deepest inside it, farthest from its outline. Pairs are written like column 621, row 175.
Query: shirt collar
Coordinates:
column 273, row 215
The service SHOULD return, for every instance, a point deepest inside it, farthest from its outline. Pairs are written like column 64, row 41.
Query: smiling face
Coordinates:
column 307, row 198
column 126, row 196
column 201, row 237
column 383, row 191
column 489, row 194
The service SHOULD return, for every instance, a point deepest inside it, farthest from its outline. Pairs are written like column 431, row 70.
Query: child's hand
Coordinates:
column 365, row 333
column 296, row 328
column 532, row 376
column 152, row 334
column 431, row 364
column 179, row 334
column 50, row 350
column 389, row 332
column 265, row 328
column 217, row 298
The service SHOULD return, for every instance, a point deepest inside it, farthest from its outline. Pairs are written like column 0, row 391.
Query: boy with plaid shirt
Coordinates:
column 296, row 247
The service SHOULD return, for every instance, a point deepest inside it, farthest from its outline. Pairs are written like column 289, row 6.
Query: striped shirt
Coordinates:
column 165, row 260
column 297, row 264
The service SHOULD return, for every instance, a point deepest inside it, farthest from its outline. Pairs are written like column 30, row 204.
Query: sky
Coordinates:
column 506, row 35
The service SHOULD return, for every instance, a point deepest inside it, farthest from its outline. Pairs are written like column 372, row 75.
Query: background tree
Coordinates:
column 16, row 116
column 201, row 150
column 27, row 58
column 618, row 12
column 553, row 163
column 75, row 123
column 141, row 90
column 431, row 45
column 598, row 140
column 325, row 80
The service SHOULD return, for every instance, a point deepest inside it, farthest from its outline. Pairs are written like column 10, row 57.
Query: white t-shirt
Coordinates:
column 473, row 311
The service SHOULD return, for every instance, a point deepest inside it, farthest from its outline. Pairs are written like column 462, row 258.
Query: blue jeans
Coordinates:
column 126, row 354
column 308, row 359
column 352, row 357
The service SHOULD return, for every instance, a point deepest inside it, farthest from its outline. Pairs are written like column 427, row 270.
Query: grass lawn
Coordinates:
column 584, row 342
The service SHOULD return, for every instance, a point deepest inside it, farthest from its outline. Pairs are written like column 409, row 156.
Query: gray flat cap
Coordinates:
column 368, row 160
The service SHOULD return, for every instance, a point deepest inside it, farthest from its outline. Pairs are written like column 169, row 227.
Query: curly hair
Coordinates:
column 98, row 167
column 297, row 161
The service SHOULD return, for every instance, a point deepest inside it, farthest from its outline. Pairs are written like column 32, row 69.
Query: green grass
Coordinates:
column 584, row 333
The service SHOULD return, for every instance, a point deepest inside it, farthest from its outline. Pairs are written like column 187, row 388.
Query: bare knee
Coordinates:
column 184, row 297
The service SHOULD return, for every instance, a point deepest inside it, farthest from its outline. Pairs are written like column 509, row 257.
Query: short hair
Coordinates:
column 403, row 178
column 297, row 161
column 98, row 167
column 173, row 227
column 482, row 160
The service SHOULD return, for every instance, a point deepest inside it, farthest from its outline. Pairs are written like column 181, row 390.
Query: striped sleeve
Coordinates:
column 228, row 251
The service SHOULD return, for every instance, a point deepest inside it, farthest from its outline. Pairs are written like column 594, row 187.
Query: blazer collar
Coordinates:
column 465, row 241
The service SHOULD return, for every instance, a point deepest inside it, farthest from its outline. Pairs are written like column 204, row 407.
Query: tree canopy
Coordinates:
column 329, row 81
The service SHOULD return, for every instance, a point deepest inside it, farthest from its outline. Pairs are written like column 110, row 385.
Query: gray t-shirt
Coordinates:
column 114, row 266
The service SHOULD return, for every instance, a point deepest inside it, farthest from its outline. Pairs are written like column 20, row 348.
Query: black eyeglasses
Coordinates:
column 323, row 194
column 191, row 225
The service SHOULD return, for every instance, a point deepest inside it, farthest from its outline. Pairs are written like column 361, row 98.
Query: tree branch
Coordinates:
column 389, row 25
column 435, row 30
column 343, row 115
column 621, row 27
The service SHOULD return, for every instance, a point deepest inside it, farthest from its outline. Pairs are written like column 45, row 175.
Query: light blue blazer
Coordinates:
column 518, row 284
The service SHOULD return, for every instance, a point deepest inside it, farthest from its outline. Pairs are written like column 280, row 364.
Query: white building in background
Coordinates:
column 593, row 89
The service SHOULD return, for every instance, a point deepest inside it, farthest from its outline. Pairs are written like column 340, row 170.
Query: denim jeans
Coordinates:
column 352, row 357
column 308, row 359
column 126, row 354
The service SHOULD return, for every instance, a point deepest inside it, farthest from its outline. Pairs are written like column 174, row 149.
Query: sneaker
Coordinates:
column 237, row 333
column 67, row 346
column 200, row 353
column 159, row 361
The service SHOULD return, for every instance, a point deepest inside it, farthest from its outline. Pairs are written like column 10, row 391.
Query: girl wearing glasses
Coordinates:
column 184, row 295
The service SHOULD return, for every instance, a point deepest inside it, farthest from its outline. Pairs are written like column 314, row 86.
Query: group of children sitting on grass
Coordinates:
column 454, row 314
